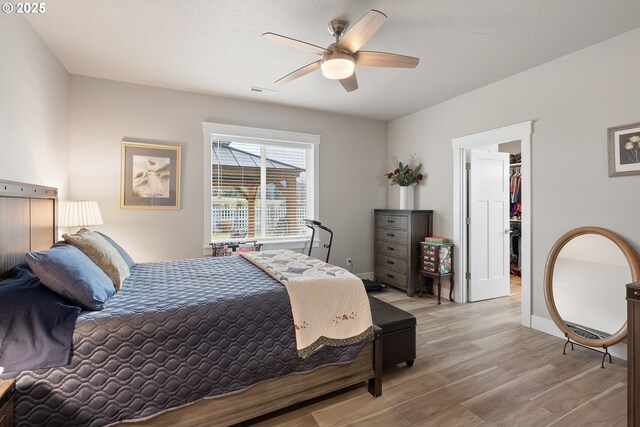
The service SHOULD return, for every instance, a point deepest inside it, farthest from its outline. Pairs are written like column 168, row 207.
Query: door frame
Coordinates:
column 516, row 132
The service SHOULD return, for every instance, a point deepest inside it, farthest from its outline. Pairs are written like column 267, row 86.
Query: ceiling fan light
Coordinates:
column 337, row 65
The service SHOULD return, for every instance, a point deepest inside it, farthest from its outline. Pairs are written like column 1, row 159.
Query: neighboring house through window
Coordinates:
column 260, row 184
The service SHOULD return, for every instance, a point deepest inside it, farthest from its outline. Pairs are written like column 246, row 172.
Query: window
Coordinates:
column 260, row 183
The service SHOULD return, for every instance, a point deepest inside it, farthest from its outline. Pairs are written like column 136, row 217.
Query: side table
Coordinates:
column 436, row 262
column 7, row 390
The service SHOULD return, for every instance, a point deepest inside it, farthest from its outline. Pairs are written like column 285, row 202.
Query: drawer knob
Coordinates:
column 389, row 248
column 636, row 293
column 390, row 221
column 390, row 262
column 390, row 235
column 391, row 276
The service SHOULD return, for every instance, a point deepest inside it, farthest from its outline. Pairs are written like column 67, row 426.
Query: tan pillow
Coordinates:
column 102, row 253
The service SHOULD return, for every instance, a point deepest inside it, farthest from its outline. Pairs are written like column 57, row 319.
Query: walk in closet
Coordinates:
column 515, row 212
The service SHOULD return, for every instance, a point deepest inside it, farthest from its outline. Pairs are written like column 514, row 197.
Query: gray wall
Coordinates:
column 34, row 113
column 353, row 155
column 573, row 100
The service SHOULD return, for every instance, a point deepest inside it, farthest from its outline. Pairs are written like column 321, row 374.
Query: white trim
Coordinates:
column 245, row 132
column 289, row 244
column 302, row 243
column 522, row 132
column 263, row 187
column 206, row 197
column 547, row 326
column 494, row 136
column 315, row 184
column 252, row 135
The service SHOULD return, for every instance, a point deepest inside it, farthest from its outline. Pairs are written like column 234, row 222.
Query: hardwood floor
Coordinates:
column 476, row 366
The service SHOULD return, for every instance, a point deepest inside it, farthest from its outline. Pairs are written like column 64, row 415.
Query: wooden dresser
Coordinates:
column 398, row 234
column 633, row 354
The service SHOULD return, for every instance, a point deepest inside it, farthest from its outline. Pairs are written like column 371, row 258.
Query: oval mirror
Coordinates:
column 585, row 277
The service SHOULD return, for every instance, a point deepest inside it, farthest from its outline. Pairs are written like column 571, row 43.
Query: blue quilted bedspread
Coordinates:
column 178, row 331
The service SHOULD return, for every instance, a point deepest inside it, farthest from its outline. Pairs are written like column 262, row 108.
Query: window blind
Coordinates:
column 259, row 190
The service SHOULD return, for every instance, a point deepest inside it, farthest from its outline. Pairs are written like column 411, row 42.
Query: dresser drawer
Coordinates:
column 429, row 258
column 394, row 249
column 429, row 266
column 392, row 221
column 429, row 250
column 391, row 263
column 392, row 278
column 394, row 236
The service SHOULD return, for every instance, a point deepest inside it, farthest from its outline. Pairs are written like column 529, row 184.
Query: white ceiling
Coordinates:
column 215, row 46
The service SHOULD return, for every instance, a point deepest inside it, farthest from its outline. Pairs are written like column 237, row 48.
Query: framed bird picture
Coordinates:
column 150, row 176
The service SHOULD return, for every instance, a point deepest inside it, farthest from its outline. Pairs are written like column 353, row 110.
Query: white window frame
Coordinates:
column 252, row 135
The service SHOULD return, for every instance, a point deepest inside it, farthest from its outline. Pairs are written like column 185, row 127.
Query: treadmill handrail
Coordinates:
column 312, row 224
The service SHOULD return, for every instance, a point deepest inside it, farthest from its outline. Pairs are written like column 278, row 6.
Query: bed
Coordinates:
column 164, row 350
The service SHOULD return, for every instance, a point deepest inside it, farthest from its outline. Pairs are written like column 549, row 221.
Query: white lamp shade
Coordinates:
column 337, row 65
column 79, row 213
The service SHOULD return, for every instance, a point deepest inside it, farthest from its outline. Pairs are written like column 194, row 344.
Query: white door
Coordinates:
column 488, row 225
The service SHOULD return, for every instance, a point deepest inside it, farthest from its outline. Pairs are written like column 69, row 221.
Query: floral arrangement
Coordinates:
column 406, row 175
column 632, row 150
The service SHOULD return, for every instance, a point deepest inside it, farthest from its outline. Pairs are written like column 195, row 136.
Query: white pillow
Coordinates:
column 102, row 253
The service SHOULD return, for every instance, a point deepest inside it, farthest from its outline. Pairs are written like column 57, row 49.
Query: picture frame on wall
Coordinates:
column 624, row 150
column 150, row 176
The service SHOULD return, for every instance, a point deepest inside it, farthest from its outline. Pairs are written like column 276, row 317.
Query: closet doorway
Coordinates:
column 503, row 139
column 514, row 149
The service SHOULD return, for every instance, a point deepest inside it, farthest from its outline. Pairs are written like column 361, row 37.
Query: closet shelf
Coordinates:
column 515, row 164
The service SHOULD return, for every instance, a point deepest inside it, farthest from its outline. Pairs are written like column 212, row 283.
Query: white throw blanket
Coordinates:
column 329, row 304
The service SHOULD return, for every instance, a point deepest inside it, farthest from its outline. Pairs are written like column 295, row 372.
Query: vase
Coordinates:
column 406, row 198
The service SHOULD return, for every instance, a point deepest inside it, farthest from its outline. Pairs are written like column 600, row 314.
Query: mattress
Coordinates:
column 179, row 331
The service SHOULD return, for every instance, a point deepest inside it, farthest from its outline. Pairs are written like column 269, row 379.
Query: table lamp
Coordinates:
column 79, row 213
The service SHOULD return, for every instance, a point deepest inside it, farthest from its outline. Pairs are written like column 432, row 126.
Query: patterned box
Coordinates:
column 437, row 257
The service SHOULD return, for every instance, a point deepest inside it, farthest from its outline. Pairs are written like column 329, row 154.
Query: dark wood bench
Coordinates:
column 398, row 332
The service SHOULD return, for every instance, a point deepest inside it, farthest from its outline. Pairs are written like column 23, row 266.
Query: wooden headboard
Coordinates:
column 27, row 221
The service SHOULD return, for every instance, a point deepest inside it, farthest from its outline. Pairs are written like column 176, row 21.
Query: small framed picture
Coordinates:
column 624, row 150
column 150, row 176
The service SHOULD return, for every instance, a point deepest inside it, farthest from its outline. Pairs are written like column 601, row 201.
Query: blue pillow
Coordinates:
column 125, row 256
column 71, row 274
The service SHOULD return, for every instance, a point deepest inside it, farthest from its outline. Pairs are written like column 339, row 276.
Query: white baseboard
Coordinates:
column 368, row 276
column 547, row 326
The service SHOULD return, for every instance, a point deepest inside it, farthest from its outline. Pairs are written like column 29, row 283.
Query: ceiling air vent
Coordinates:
column 262, row 90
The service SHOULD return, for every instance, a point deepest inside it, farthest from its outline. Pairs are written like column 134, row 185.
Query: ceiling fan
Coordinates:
column 340, row 58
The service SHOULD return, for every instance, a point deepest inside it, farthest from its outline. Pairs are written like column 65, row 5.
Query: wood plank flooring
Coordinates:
column 476, row 366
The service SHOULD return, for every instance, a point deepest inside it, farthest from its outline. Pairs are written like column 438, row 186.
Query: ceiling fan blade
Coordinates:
column 384, row 59
column 288, row 41
column 299, row 72
column 361, row 32
column 350, row 83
